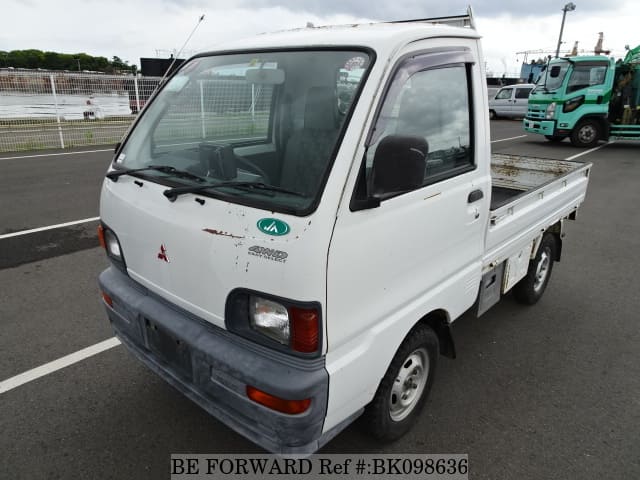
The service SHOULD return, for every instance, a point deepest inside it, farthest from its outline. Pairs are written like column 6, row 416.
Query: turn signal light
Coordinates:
column 107, row 299
column 292, row 407
column 103, row 244
column 304, row 323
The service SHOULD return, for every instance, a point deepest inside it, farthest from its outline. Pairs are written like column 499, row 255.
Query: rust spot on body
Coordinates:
column 222, row 234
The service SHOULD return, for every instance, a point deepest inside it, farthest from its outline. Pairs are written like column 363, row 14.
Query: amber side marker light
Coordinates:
column 107, row 299
column 101, row 237
column 292, row 407
column 305, row 329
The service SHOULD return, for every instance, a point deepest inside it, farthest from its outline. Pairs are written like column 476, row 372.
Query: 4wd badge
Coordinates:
column 273, row 226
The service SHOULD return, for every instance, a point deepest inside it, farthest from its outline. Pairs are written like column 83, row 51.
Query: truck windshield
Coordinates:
column 553, row 76
column 273, row 118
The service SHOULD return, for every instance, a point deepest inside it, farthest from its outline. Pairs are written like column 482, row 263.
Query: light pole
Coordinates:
column 569, row 7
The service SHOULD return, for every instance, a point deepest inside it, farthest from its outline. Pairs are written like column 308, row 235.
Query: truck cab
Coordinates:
column 586, row 98
column 290, row 243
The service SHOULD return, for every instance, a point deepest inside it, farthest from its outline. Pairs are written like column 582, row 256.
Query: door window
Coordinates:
column 585, row 75
column 504, row 94
column 523, row 92
column 423, row 133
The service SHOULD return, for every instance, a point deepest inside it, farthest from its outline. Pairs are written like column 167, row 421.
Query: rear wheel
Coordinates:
column 586, row 134
column 530, row 289
column 404, row 389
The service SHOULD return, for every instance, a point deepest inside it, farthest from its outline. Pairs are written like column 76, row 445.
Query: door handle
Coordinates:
column 474, row 196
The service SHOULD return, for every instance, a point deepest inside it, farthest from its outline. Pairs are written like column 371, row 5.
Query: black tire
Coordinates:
column 586, row 134
column 420, row 345
column 493, row 115
column 530, row 289
column 555, row 138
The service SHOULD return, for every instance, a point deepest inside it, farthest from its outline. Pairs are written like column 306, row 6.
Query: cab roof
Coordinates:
column 381, row 37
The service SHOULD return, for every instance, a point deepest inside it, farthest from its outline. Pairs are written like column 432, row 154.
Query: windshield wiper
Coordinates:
column 113, row 175
column 173, row 193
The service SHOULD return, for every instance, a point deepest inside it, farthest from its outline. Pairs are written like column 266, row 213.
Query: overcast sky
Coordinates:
column 132, row 29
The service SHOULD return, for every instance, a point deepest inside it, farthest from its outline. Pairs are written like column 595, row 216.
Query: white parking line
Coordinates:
column 54, row 154
column 586, row 152
column 510, row 138
column 50, row 227
column 47, row 368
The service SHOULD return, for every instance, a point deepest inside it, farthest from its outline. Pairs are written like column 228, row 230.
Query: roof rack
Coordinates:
column 453, row 21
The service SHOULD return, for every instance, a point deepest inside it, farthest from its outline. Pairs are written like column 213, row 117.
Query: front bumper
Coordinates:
column 543, row 127
column 213, row 367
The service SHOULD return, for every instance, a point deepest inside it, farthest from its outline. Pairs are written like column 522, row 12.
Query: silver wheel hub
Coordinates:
column 409, row 384
column 542, row 270
column 587, row 133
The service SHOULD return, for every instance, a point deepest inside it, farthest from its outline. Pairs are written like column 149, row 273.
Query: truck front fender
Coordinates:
column 438, row 321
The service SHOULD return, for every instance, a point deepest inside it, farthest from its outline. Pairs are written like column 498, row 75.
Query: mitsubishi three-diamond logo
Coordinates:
column 162, row 255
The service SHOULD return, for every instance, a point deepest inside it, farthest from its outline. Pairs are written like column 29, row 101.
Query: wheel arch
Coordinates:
column 600, row 118
column 438, row 321
column 557, row 230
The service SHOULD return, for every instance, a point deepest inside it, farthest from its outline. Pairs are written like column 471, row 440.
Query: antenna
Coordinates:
column 182, row 48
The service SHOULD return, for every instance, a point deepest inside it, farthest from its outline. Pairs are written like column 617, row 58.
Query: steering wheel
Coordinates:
column 252, row 167
column 221, row 162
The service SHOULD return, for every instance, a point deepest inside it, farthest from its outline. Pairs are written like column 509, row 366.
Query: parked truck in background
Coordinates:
column 290, row 251
column 587, row 99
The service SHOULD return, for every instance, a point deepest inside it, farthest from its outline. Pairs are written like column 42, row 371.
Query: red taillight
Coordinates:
column 291, row 407
column 101, row 237
column 107, row 299
column 304, row 326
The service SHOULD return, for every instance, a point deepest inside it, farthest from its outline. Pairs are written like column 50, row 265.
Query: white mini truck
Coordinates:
column 295, row 221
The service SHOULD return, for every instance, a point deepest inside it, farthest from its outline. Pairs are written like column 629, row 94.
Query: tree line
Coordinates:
column 33, row 58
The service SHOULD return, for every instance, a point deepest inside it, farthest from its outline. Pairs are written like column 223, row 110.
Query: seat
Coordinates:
column 308, row 151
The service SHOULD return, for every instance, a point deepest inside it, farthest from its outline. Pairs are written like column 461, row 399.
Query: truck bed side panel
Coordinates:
column 551, row 190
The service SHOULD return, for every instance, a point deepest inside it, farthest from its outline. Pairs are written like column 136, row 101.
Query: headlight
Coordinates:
column 269, row 318
column 112, row 245
column 571, row 105
column 286, row 325
column 109, row 241
column 551, row 111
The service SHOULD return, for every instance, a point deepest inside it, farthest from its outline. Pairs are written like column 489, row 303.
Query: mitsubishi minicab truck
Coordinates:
column 294, row 222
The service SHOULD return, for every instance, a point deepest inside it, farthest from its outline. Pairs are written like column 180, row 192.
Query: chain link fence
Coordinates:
column 217, row 109
column 62, row 110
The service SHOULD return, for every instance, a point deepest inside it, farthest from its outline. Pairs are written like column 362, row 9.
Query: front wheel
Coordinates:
column 586, row 134
column 530, row 289
column 404, row 388
column 492, row 115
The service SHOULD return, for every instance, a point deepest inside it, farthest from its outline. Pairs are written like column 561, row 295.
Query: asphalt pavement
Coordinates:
column 550, row 391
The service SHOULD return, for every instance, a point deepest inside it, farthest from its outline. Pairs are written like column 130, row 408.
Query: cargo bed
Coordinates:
column 528, row 195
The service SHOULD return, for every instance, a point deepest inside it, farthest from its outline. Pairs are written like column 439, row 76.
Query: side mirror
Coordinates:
column 555, row 71
column 399, row 164
column 367, row 203
column 116, row 148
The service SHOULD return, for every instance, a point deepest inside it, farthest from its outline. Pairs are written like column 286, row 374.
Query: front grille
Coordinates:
column 536, row 113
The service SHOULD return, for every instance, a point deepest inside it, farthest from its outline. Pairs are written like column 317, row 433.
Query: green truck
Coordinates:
column 587, row 98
